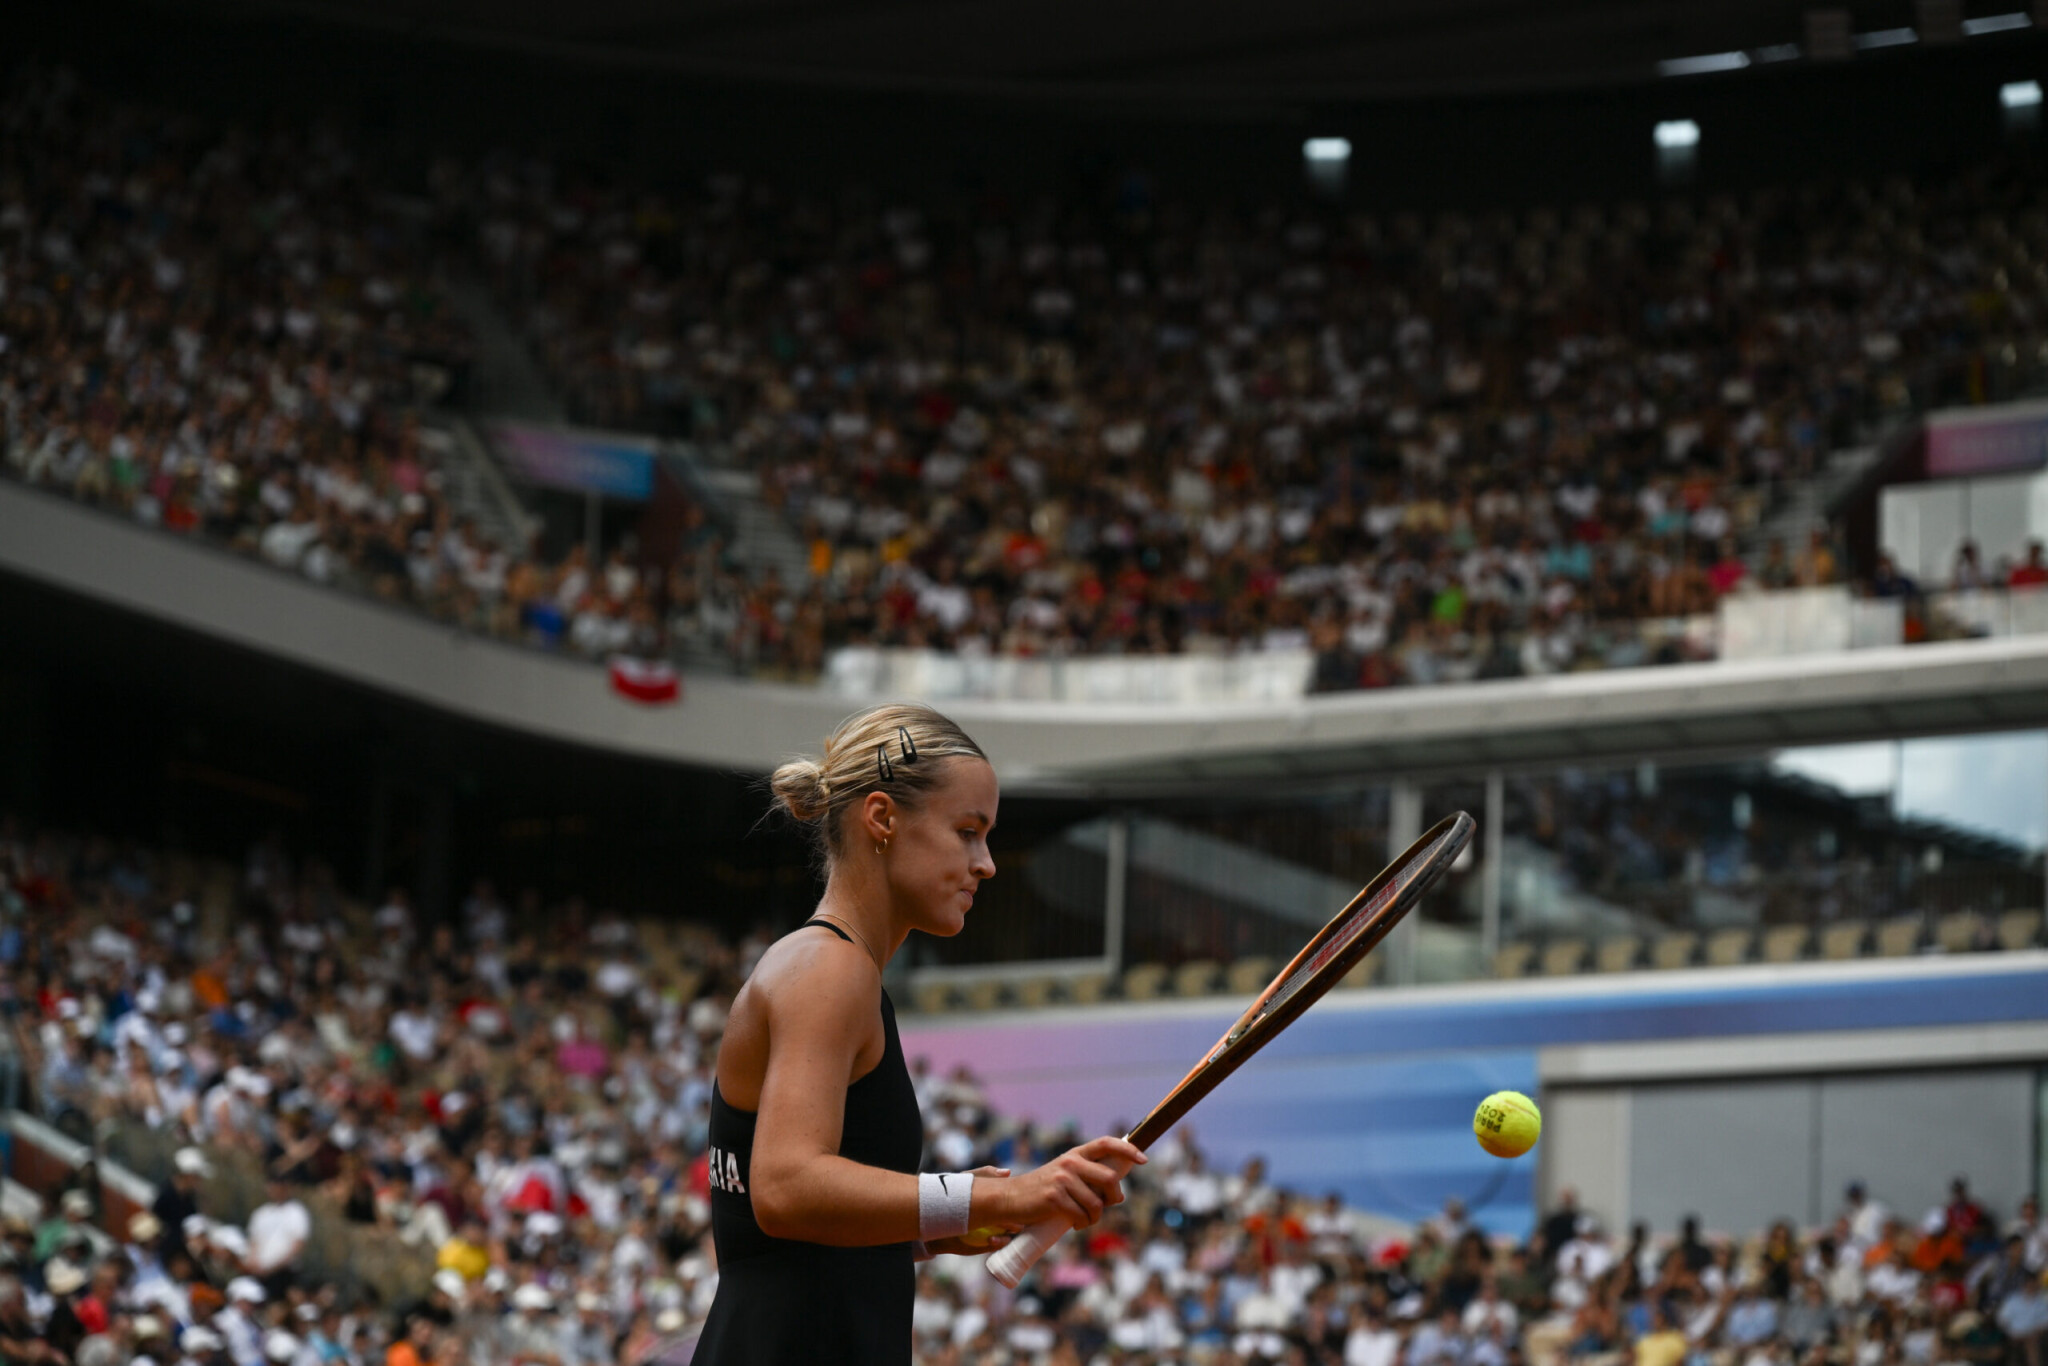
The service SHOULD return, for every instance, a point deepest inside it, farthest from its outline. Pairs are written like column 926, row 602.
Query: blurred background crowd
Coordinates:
column 373, row 1140
column 1426, row 448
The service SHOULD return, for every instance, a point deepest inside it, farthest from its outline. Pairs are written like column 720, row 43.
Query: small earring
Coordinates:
column 881, row 848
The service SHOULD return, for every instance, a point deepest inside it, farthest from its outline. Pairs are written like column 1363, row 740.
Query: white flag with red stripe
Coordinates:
column 651, row 681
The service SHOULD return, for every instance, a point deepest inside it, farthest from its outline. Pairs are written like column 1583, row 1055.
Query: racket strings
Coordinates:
column 1347, row 933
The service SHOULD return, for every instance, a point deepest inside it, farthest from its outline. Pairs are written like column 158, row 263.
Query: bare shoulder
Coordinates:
column 816, row 975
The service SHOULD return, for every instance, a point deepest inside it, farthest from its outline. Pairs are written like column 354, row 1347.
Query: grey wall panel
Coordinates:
column 1906, row 1135
column 1738, row 1154
column 1585, row 1148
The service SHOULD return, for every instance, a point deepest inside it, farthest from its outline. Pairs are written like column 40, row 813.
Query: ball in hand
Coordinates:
column 1507, row 1124
column 980, row 1237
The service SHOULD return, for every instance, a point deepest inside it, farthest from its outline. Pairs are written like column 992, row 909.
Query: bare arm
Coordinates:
column 819, row 1010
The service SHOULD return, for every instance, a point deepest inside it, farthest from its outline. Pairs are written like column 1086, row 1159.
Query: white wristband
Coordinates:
column 942, row 1201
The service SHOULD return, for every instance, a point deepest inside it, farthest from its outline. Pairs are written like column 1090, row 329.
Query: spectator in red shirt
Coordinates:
column 1729, row 571
column 1967, row 1219
column 2033, row 573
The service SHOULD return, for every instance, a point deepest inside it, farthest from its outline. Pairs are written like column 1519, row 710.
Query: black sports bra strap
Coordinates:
column 827, row 925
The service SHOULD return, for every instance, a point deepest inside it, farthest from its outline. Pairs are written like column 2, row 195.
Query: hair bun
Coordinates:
column 898, row 748
column 799, row 789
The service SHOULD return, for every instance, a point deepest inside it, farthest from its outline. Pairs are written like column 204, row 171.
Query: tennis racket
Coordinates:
column 1336, row 949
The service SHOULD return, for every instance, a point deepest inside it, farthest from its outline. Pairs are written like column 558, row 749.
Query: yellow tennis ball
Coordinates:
column 1507, row 1124
column 979, row 1237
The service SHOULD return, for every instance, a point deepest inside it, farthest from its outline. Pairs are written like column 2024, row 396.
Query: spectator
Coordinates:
column 177, row 1200
column 1664, row 1344
column 1888, row 582
column 2029, row 1227
column 1817, row 565
column 1808, row 1322
column 1752, row 1320
column 67, row 1229
column 2022, row 1316
column 2033, row 573
column 416, row 1346
column 1148, row 432
column 1866, row 1219
column 278, row 1230
column 1968, row 1220
column 1561, row 1225
column 589, row 1195
column 1969, row 573
column 1372, row 1341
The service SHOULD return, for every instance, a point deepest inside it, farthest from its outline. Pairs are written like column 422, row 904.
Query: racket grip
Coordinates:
column 1009, row 1262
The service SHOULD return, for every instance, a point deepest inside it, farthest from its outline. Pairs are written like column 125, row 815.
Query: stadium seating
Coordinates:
column 1675, row 950
column 2019, row 929
column 1303, row 444
column 1844, row 940
column 1514, row 958
column 1143, row 982
column 1248, row 976
column 1725, row 948
column 1961, row 931
column 1563, row 956
column 1197, row 978
column 1900, row 936
column 1785, row 943
column 548, row 1235
column 1618, row 953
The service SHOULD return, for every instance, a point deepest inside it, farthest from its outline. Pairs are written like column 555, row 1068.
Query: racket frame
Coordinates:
column 1259, row 1024
column 1410, row 876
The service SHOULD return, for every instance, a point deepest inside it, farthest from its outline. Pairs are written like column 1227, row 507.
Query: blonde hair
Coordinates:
column 898, row 748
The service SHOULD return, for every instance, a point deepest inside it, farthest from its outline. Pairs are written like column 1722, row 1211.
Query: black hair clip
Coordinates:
column 906, row 744
column 882, row 763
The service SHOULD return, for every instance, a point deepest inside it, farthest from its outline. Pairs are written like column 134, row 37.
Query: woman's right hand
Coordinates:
column 1074, row 1187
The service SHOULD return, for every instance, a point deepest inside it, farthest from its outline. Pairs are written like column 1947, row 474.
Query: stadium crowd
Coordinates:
column 225, row 334
column 484, row 1142
column 1425, row 449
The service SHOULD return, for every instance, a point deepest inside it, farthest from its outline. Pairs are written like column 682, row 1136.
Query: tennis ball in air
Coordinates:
column 1507, row 1124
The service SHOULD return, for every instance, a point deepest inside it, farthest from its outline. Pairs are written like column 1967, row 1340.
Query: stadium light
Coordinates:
column 1674, row 135
column 1701, row 65
column 2020, row 94
column 1779, row 52
column 1327, row 161
column 1886, row 37
column 1995, row 23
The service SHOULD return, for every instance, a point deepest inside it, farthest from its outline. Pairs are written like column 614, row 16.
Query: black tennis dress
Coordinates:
column 787, row 1303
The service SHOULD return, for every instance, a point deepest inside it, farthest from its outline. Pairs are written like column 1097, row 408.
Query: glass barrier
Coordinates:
column 1891, row 848
column 1227, row 881
column 1843, row 837
column 1048, row 900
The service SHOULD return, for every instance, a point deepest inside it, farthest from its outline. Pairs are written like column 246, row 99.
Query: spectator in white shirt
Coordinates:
column 415, row 1032
column 1372, row 1341
column 1893, row 1280
column 1488, row 1311
column 1866, row 1218
column 278, row 1230
column 1195, row 1189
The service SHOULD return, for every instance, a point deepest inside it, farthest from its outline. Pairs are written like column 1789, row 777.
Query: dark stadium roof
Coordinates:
column 1284, row 48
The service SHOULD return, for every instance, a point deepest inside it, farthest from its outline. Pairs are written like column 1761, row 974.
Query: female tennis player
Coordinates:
column 817, row 1208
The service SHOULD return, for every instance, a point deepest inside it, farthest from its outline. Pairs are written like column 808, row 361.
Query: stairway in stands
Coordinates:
column 504, row 379
column 474, row 485
column 1808, row 504
column 761, row 536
